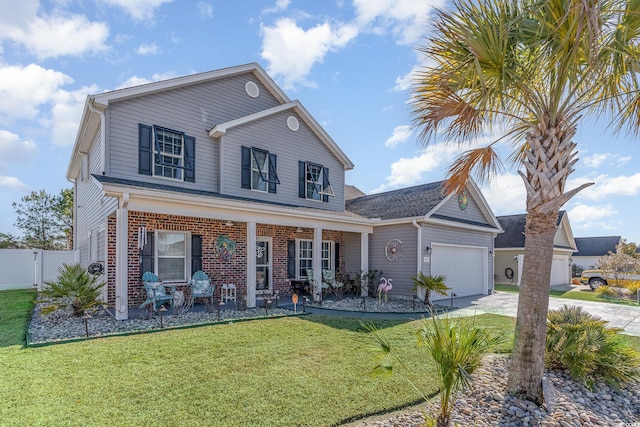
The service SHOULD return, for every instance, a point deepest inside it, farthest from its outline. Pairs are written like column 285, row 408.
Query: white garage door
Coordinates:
column 465, row 268
column 560, row 270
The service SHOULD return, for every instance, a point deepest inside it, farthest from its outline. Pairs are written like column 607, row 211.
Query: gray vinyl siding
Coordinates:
column 92, row 208
column 472, row 213
column 272, row 134
column 193, row 110
column 451, row 236
column 504, row 260
column 399, row 271
column 351, row 252
column 561, row 239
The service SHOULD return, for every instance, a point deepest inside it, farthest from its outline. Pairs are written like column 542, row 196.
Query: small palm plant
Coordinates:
column 430, row 284
column 457, row 348
column 588, row 349
column 74, row 288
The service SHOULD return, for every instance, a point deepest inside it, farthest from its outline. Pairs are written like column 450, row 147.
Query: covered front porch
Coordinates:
column 261, row 252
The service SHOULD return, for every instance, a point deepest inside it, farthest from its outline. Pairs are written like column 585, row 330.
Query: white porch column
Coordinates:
column 122, row 257
column 317, row 262
column 364, row 257
column 251, row 264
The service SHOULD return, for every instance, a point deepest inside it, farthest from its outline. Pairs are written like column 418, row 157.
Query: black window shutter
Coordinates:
column 302, row 172
column 145, row 149
column 273, row 175
column 336, row 256
column 325, row 183
column 291, row 259
column 147, row 255
column 246, row 167
column 189, row 158
column 196, row 253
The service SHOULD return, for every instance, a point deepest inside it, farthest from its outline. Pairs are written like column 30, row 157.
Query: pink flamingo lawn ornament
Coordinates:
column 384, row 286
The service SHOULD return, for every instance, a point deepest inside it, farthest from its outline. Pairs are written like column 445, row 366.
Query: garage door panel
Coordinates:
column 464, row 268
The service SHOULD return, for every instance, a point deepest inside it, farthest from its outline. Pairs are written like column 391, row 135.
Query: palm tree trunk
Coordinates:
column 527, row 361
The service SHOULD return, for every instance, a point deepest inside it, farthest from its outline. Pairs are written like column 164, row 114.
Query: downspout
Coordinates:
column 103, row 128
column 419, row 252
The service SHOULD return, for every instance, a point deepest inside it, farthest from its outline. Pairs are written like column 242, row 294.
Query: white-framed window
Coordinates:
column 304, row 255
column 172, row 255
column 261, row 172
column 169, row 153
column 317, row 182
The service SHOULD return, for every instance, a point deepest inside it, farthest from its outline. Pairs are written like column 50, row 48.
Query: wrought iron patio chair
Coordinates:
column 156, row 293
column 201, row 287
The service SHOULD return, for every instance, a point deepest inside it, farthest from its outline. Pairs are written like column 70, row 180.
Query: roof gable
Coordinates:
column 514, row 226
column 596, row 246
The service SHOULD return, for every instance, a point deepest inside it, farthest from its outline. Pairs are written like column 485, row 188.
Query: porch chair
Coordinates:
column 201, row 287
column 311, row 284
column 329, row 278
column 156, row 293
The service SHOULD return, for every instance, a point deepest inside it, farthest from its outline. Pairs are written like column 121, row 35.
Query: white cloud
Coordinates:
column 400, row 134
column 280, row 6
column 506, row 194
column 291, row 51
column 405, row 18
column 585, row 217
column 606, row 186
column 13, row 183
column 24, row 89
column 66, row 114
column 137, row 81
column 140, row 10
column 205, row 9
column 598, row 159
column 14, row 149
column 410, row 171
column 50, row 36
column 148, row 49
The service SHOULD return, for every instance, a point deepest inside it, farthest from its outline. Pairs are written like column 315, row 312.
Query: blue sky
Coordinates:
column 348, row 61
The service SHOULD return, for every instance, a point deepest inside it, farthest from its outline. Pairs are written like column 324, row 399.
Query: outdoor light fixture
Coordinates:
column 299, row 230
column 229, row 224
column 427, row 249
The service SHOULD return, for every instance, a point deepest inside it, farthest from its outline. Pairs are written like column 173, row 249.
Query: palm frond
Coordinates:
column 483, row 163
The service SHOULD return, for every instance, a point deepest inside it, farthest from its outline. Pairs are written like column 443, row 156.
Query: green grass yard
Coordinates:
column 580, row 294
column 306, row 371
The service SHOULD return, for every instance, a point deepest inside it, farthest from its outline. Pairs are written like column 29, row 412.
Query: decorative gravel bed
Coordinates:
column 372, row 305
column 62, row 326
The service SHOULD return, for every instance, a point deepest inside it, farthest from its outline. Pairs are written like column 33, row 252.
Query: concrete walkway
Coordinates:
column 506, row 303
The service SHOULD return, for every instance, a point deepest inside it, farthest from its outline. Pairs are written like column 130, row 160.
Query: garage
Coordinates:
column 465, row 268
column 560, row 270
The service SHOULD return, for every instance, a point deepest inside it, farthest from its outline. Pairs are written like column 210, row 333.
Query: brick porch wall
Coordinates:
column 232, row 271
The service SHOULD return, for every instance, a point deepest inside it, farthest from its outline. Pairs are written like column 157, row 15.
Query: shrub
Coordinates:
column 589, row 350
column 74, row 288
column 430, row 284
column 457, row 349
column 606, row 292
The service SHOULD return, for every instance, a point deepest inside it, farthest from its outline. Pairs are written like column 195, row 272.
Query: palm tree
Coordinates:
column 430, row 284
column 528, row 71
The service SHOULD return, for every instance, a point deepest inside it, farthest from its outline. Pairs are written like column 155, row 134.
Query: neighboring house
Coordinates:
column 421, row 229
column 510, row 250
column 590, row 249
column 221, row 171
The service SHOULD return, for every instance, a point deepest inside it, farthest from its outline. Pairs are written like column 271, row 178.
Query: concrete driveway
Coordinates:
column 506, row 303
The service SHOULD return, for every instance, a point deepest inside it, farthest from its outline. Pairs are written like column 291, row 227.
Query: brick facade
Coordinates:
column 231, row 271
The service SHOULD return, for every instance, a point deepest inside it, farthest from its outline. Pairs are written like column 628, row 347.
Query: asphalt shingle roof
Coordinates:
column 404, row 203
column 513, row 226
column 596, row 246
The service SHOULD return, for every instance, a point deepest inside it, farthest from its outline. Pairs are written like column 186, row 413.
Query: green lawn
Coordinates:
column 15, row 309
column 306, row 371
column 311, row 370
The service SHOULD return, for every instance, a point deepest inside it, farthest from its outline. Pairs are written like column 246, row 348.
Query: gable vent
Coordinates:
column 252, row 89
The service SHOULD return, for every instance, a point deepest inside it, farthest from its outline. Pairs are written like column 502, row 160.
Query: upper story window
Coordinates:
column 166, row 153
column 259, row 170
column 169, row 153
column 314, row 182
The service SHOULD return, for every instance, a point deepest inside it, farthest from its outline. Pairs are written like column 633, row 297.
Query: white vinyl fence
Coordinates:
column 30, row 268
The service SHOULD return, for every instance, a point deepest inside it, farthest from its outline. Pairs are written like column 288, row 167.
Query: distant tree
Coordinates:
column 64, row 213
column 9, row 241
column 627, row 248
column 620, row 266
column 42, row 218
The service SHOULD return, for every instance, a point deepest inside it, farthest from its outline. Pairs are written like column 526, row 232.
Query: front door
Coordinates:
column 264, row 283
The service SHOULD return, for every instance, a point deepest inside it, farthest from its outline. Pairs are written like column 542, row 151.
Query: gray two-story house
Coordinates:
column 222, row 172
